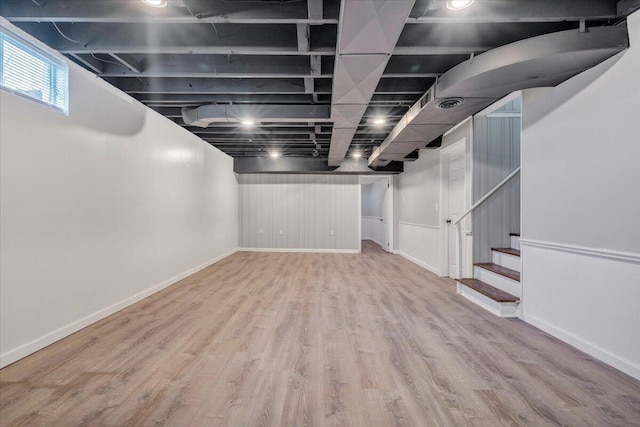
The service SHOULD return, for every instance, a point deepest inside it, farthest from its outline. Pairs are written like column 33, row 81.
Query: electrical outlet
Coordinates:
column 260, row 231
column 333, row 233
column 280, row 232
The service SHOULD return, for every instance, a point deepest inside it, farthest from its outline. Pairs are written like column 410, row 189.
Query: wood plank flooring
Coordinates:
column 305, row 339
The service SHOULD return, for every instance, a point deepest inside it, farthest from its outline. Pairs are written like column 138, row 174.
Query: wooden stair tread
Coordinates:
column 514, row 234
column 510, row 251
column 489, row 291
column 498, row 269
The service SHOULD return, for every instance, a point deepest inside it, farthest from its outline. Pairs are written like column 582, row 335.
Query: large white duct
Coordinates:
column 368, row 31
column 467, row 88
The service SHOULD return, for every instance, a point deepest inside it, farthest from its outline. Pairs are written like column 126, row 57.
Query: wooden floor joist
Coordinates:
column 296, row 339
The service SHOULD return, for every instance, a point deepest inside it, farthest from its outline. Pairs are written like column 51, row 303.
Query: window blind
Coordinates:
column 28, row 71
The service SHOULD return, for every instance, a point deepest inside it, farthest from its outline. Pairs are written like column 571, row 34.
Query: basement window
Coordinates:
column 33, row 73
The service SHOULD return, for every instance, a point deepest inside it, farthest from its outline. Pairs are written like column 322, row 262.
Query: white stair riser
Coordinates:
column 502, row 309
column 515, row 242
column 506, row 260
column 510, row 286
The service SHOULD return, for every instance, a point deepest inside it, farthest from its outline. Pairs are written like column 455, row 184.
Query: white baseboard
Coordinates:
column 418, row 262
column 24, row 350
column 321, row 251
column 625, row 365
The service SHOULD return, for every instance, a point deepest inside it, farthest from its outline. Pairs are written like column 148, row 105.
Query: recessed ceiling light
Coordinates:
column 356, row 155
column 379, row 121
column 458, row 4
column 155, row 3
column 274, row 154
column 248, row 122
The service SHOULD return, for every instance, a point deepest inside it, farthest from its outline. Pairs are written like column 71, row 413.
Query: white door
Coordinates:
column 387, row 216
column 455, row 195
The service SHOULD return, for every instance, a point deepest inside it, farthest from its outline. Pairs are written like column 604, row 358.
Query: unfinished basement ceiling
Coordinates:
column 235, row 53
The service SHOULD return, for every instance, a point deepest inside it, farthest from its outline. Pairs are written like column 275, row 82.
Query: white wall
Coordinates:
column 99, row 209
column 418, row 200
column 314, row 212
column 373, row 197
column 580, row 209
column 372, row 203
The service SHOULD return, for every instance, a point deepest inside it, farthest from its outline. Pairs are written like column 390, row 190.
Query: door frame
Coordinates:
column 389, row 225
column 444, row 200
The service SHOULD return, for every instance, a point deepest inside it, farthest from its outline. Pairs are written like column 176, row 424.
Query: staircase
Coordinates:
column 495, row 285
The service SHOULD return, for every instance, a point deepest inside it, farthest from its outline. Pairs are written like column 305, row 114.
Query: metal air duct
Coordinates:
column 206, row 114
column 467, row 88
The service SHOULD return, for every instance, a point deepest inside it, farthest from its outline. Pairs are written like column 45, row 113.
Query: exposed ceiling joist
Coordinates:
column 263, row 86
column 214, row 86
column 185, row 66
column 267, row 39
column 302, row 31
column 129, row 62
column 315, row 10
column 90, row 62
column 270, row 52
column 305, row 165
column 134, row 12
column 504, row 11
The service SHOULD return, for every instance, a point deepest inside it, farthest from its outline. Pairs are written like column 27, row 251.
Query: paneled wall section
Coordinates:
column 496, row 153
column 314, row 212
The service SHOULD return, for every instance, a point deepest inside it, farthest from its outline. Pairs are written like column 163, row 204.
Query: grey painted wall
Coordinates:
column 373, row 198
column 419, row 189
column 496, row 153
column 306, row 208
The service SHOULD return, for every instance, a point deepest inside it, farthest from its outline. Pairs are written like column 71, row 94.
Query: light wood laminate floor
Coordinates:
column 313, row 339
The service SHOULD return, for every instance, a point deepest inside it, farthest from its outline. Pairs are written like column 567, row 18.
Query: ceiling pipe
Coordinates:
column 207, row 114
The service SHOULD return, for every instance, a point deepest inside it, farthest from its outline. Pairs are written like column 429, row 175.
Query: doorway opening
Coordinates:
column 377, row 210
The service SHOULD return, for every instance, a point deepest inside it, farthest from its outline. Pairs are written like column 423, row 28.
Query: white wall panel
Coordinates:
column 419, row 187
column 580, row 157
column 418, row 198
column 373, row 229
column 306, row 208
column 373, row 197
column 420, row 244
column 590, row 300
column 99, row 209
column 496, row 153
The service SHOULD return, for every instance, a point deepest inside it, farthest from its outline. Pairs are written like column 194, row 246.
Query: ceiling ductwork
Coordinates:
column 207, row 114
column 467, row 88
column 367, row 35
